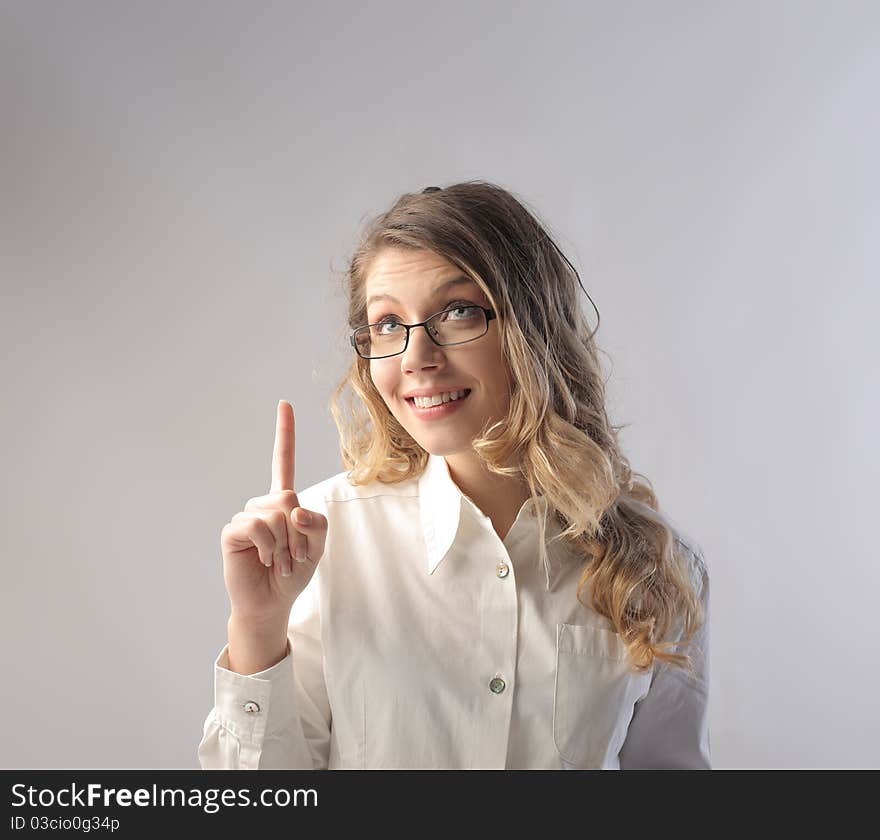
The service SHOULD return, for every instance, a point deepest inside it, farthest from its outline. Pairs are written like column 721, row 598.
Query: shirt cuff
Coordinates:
column 244, row 702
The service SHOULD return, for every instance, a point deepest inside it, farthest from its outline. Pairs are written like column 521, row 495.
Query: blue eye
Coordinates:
column 454, row 306
column 389, row 323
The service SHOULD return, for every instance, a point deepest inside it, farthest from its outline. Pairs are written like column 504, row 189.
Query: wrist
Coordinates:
column 256, row 646
column 261, row 624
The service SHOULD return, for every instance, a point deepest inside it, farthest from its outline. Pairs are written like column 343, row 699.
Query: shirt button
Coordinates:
column 497, row 685
column 502, row 569
column 250, row 707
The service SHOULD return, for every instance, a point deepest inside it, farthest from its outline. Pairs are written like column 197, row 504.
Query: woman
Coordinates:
column 488, row 586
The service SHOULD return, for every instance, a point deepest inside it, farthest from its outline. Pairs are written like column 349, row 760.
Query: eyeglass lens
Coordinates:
column 454, row 326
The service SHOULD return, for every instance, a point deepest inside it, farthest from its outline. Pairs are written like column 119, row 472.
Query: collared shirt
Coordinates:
column 424, row 641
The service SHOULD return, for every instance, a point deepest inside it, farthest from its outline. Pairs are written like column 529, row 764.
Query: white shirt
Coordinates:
column 424, row 641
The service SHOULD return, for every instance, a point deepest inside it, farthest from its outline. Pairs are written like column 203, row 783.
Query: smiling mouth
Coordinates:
column 412, row 402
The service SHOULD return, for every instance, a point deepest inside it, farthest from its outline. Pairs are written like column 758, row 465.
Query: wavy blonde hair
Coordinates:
column 556, row 436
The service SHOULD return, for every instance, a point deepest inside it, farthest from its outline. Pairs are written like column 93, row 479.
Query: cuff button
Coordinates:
column 250, row 707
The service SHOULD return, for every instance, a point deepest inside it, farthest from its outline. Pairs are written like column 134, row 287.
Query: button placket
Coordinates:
column 497, row 684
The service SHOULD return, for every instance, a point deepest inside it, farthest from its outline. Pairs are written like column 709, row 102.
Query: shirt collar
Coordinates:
column 440, row 507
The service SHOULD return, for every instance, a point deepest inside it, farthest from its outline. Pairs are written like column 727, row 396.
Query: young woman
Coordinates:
column 489, row 586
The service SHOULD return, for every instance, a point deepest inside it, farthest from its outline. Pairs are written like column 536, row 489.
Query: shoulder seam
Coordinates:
column 376, row 496
column 330, row 498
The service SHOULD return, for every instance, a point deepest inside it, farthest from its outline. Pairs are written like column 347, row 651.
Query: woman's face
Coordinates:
column 416, row 280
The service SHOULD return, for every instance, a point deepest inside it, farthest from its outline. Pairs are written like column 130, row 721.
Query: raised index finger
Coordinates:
column 283, row 457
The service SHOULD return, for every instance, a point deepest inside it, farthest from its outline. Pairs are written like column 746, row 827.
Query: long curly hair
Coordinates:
column 557, row 436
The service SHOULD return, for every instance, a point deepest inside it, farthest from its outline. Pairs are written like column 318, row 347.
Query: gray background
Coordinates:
column 179, row 187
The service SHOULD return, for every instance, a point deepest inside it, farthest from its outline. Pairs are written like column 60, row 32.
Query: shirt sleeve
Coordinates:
column 277, row 719
column 670, row 725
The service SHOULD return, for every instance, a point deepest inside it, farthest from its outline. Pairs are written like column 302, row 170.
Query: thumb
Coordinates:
column 314, row 531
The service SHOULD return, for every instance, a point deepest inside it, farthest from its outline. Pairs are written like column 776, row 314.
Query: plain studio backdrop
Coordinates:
column 180, row 185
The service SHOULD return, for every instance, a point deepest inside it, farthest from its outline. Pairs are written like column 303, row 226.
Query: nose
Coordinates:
column 421, row 351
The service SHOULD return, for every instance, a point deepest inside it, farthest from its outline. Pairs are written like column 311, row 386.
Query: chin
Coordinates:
column 450, row 442
column 442, row 447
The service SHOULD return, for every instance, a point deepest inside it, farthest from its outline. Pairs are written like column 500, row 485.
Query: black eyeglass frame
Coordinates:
column 487, row 311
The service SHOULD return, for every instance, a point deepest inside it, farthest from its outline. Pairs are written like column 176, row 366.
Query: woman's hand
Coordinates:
column 269, row 554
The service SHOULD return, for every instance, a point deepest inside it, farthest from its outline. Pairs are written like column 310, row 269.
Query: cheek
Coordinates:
column 383, row 382
column 495, row 371
column 502, row 384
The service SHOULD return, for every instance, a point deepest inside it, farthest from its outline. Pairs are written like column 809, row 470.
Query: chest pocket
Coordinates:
column 595, row 693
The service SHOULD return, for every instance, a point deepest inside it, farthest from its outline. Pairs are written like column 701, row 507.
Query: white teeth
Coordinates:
column 427, row 402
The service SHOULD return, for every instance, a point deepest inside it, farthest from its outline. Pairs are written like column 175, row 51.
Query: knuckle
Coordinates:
column 286, row 497
column 258, row 527
column 279, row 519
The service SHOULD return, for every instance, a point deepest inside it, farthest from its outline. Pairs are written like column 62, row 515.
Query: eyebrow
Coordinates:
column 455, row 281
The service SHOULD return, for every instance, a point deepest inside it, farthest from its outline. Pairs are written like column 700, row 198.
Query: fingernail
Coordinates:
column 286, row 573
column 302, row 516
column 300, row 554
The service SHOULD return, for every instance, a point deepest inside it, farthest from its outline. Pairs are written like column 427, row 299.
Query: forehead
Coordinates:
column 399, row 273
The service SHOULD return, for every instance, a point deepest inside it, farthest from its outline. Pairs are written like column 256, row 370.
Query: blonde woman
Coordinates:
column 489, row 585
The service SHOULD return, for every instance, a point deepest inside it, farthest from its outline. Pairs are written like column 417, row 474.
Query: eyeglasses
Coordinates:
column 456, row 325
